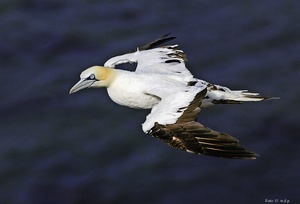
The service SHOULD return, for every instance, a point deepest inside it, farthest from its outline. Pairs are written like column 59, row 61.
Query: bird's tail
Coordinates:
column 217, row 94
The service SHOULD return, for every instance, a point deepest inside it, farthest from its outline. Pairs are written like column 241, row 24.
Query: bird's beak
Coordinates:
column 82, row 84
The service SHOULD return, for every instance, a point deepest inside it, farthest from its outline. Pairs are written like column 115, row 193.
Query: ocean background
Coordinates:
column 57, row 148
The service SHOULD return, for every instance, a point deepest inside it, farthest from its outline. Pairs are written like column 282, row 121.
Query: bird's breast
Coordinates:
column 132, row 97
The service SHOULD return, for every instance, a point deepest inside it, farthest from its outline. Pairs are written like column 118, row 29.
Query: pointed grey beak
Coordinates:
column 82, row 84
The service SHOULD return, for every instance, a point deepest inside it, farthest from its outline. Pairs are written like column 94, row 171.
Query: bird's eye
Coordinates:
column 92, row 77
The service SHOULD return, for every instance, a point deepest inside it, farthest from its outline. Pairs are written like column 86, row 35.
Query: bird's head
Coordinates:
column 96, row 76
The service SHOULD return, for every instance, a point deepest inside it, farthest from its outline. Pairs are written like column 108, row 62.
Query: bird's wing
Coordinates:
column 174, row 101
column 152, row 59
column 176, row 124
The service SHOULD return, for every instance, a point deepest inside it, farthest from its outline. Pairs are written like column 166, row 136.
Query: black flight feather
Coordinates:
column 157, row 42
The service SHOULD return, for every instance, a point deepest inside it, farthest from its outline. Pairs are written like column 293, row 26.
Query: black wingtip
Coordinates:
column 247, row 155
column 165, row 38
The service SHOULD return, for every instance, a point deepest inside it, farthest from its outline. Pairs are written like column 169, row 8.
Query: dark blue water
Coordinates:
column 58, row 148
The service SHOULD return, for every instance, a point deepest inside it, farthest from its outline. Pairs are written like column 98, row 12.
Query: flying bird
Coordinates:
column 162, row 83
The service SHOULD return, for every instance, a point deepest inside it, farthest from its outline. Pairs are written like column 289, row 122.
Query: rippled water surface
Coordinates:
column 58, row 148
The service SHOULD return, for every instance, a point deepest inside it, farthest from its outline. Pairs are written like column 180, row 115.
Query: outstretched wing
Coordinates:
column 189, row 135
column 153, row 59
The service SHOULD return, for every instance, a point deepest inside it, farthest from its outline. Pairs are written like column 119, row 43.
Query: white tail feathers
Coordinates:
column 217, row 94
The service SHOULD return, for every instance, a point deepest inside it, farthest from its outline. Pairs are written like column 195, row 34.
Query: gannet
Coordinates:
column 162, row 83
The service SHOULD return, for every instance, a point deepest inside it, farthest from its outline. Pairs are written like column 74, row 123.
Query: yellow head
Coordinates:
column 96, row 76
